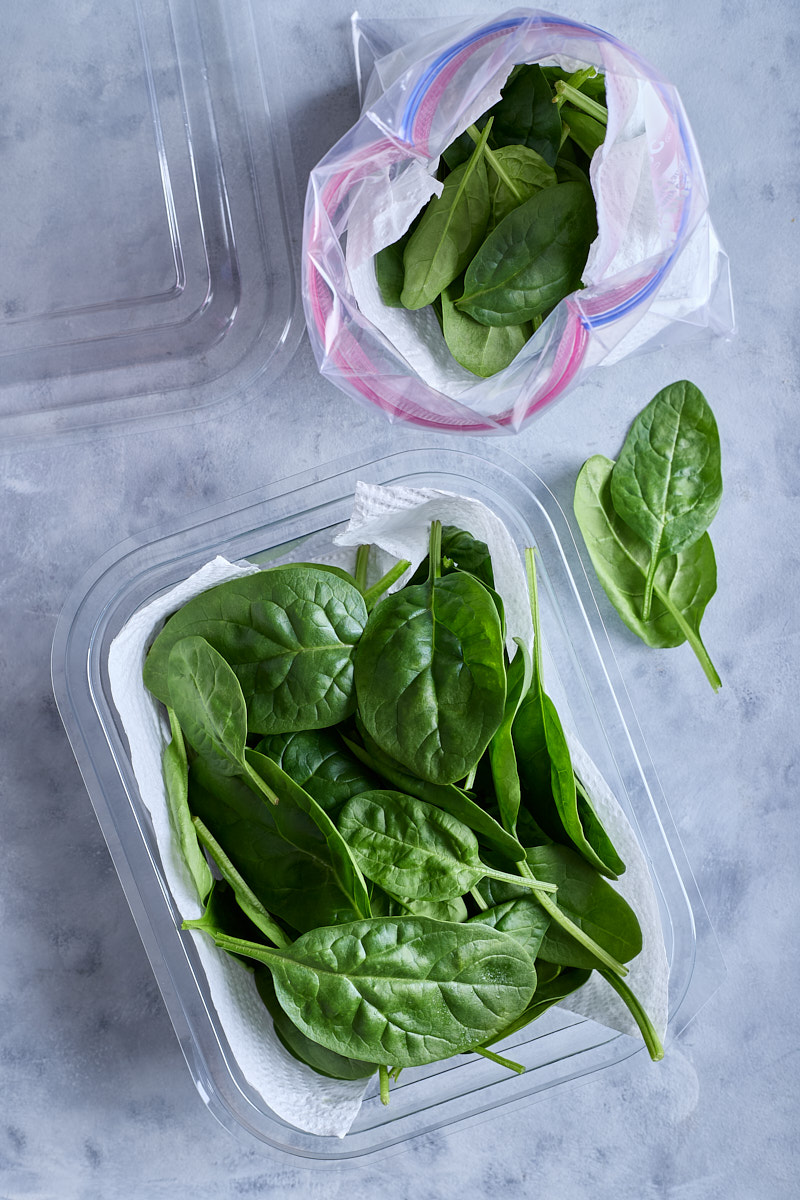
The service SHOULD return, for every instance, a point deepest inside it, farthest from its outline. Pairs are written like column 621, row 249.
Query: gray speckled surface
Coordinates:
column 97, row 1101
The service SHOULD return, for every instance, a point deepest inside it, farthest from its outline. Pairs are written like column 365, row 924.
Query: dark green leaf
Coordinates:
column 289, row 633
column 208, row 702
column 667, row 482
column 533, row 259
column 176, row 782
column 399, row 990
column 412, row 849
column 319, row 1058
column 319, row 762
column 590, row 903
column 502, row 753
column 482, row 349
column 291, row 796
column 545, row 766
column 448, row 797
column 523, row 918
column 288, row 866
column 684, row 582
column 448, row 234
column 430, row 676
column 526, row 114
column 526, row 172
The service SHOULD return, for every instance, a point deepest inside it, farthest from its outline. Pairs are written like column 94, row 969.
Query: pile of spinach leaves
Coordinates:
column 510, row 234
column 644, row 519
column 379, row 811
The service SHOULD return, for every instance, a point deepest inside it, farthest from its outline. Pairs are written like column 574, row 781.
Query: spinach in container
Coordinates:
column 402, row 850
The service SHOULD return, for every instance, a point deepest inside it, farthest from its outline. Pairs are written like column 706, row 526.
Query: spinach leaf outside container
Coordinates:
column 683, row 584
column 667, row 482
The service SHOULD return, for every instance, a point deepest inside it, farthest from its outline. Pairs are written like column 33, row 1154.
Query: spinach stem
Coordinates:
column 498, row 1058
column 246, row 897
column 530, row 571
column 528, row 880
column 260, row 784
column 470, row 779
column 496, row 166
column 362, row 559
column 648, row 1030
column 478, row 898
column 435, row 552
column 566, row 92
column 564, row 135
column 693, row 638
column 576, row 80
column 383, row 1076
column 571, row 928
column 373, row 594
column 649, row 584
column 395, row 1074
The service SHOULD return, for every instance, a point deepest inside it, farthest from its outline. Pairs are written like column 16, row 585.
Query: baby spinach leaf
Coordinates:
column 525, row 170
column 667, row 482
column 208, row 702
column 545, row 764
column 502, row 754
column 287, row 865
column 683, row 583
column 289, row 633
column 412, row 849
column 430, row 676
column 448, row 797
column 441, row 910
column 319, row 1058
column 449, row 232
column 548, row 992
column 482, row 349
column 246, row 898
column 467, row 553
column 291, row 796
column 534, row 257
column 404, row 990
column 522, row 917
column 591, row 904
column 175, row 768
column 526, row 115
column 319, row 762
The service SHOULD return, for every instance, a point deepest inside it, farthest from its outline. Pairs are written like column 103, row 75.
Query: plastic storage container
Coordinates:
column 581, row 676
column 149, row 212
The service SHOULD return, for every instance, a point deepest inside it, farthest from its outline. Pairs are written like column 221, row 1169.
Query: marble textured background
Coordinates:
column 97, row 1103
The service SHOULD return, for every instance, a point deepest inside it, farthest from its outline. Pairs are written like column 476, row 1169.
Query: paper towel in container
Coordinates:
column 655, row 274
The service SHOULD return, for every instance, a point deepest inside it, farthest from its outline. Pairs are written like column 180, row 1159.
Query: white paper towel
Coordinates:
column 397, row 520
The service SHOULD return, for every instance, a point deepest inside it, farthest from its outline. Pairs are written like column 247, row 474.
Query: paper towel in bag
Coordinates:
column 396, row 520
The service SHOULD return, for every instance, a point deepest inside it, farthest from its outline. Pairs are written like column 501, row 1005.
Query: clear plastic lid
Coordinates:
column 148, row 205
column 583, row 678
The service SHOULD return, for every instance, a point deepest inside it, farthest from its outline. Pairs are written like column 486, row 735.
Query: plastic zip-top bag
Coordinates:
column 655, row 273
